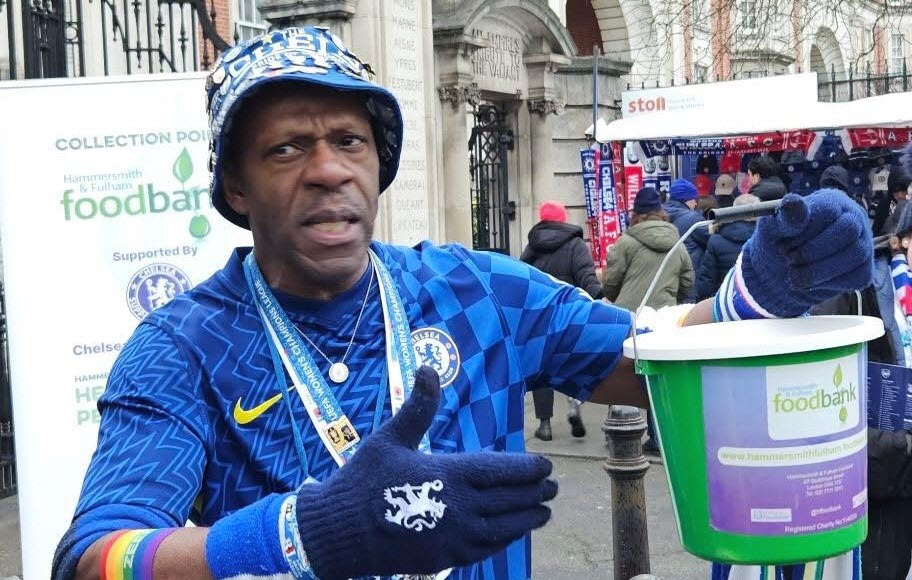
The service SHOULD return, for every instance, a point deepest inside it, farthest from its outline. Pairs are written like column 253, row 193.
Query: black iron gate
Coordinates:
column 492, row 210
column 7, row 453
column 60, row 38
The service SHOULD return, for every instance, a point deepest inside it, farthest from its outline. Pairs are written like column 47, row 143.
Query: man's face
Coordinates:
column 306, row 175
column 753, row 177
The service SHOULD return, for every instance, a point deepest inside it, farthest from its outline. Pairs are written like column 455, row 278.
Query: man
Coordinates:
column 898, row 186
column 557, row 248
column 764, row 176
column 218, row 405
column 682, row 213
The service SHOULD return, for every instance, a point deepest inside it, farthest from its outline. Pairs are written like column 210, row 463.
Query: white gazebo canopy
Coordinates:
column 885, row 110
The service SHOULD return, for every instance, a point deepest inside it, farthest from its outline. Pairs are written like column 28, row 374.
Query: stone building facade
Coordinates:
column 496, row 98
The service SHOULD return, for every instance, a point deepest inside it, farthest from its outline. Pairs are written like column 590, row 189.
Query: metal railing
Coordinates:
column 7, row 451
column 858, row 82
column 76, row 38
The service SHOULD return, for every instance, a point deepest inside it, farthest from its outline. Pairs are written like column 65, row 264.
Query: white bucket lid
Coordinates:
column 747, row 338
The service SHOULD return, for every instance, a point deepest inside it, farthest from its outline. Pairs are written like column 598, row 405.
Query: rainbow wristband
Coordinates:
column 146, row 552
column 129, row 554
column 106, row 551
column 112, row 561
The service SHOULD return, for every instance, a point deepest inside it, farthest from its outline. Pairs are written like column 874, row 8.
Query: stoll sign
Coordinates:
column 786, row 90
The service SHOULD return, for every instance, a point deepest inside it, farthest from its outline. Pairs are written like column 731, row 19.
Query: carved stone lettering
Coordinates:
column 406, row 78
column 499, row 66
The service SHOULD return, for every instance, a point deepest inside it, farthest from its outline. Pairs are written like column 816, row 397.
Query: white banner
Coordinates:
column 710, row 98
column 104, row 215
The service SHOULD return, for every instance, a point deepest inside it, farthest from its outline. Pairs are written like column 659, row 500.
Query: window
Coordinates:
column 700, row 14
column 897, row 53
column 701, row 73
column 749, row 15
column 249, row 20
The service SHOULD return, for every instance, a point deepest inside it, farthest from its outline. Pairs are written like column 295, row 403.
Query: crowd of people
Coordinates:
column 696, row 273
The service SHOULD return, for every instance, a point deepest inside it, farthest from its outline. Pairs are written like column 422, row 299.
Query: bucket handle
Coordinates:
column 718, row 216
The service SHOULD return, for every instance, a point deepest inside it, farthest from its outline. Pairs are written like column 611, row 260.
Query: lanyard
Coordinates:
column 290, row 352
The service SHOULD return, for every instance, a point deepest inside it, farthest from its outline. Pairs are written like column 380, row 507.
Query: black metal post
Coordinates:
column 833, row 78
column 624, row 428
column 852, row 81
column 905, row 73
column 868, row 79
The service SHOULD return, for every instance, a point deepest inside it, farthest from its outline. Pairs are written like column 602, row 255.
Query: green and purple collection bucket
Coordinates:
column 763, row 429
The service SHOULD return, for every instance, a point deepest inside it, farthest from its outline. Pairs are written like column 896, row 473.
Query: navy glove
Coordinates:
column 814, row 248
column 390, row 510
column 394, row 510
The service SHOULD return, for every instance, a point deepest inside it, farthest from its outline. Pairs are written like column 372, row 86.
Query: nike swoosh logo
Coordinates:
column 244, row 416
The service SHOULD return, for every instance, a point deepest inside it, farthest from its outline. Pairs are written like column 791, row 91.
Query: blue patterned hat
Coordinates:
column 308, row 55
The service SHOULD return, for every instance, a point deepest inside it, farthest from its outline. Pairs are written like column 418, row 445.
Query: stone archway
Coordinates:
column 826, row 54
column 615, row 36
column 583, row 25
column 503, row 54
column 629, row 35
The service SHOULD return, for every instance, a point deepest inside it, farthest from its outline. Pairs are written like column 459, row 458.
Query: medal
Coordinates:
column 338, row 372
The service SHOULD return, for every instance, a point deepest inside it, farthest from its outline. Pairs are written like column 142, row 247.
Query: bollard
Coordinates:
column 626, row 464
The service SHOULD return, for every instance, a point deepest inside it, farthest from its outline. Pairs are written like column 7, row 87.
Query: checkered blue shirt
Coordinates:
column 170, row 448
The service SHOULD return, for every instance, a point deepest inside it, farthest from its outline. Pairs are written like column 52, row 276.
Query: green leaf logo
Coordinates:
column 837, row 376
column 199, row 226
column 183, row 166
column 843, row 414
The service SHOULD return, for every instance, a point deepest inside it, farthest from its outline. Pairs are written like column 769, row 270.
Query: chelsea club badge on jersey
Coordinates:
column 435, row 348
column 154, row 286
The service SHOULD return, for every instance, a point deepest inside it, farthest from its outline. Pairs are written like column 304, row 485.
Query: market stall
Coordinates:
column 714, row 148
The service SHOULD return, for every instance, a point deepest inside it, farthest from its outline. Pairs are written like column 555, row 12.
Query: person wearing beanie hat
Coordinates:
column 552, row 211
column 297, row 402
column 634, row 260
column 683, row 191
column 682, row 213
column 647, row 200
column 557, row 248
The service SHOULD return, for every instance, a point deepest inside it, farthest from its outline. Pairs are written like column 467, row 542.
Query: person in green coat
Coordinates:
column 634, row 260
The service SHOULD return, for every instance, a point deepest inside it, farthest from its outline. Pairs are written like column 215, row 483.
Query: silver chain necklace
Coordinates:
column 338, row 372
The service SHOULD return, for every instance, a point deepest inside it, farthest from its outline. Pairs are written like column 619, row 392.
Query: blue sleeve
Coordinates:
column 563, row 339
column 148, row 466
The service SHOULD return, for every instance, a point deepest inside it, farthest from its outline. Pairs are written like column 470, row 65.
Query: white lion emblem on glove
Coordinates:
column 415, row 508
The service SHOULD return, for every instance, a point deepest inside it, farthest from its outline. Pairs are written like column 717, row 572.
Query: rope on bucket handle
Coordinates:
column 717, row 216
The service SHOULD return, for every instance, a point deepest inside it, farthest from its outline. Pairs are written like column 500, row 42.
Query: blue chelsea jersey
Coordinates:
column 193, row 425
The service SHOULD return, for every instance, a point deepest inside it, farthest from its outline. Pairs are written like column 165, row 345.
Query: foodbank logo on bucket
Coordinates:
column 133, row 195
column 813, row 399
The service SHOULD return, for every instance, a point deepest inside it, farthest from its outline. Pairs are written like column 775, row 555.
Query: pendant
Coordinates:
column 338, row 372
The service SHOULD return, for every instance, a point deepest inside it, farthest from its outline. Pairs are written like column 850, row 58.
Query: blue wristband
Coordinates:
column 261, row 540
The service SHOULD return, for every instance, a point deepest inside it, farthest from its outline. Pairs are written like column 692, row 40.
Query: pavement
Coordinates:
column 10, row 550
column 575, row 545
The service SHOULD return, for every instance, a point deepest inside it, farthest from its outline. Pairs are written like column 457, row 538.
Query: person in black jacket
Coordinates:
column 765, row 178
column 722, row 250
column 886, row 553
column 557, row 248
